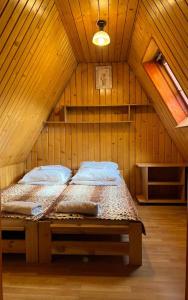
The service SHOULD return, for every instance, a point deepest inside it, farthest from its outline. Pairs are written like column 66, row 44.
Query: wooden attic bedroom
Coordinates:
column 96, row 87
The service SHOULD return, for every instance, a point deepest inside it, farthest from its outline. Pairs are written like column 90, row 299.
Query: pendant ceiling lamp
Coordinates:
column 101, row 38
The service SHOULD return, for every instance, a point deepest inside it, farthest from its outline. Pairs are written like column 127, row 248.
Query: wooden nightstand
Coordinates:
column 162, row 183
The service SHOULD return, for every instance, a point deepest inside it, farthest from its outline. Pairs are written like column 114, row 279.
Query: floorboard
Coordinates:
column 162, row 275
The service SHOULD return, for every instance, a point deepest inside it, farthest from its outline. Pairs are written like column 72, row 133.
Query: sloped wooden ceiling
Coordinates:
column 79, row 18
column 165, row 21
column 36, row 60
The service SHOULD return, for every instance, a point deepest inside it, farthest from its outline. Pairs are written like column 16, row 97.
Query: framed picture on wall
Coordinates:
column 103, row 77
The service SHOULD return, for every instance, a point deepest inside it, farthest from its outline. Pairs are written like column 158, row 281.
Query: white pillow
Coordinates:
column 87, row 174
column 40, row 176
column 99, row 164
column 55, row 167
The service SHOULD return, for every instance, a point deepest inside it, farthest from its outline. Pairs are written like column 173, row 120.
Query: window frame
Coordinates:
column 166, row 83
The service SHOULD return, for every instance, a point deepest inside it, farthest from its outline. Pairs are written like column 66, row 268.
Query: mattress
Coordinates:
column 114, row 202
column 45, row 195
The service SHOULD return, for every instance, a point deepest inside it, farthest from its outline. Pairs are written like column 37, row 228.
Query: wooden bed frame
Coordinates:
column 27, row 245
column 131, row 246
column 38, row 244
column 129, row 233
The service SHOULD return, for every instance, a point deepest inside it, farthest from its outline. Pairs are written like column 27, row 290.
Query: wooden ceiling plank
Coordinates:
column 173, row 25
column 6, row 10
column 85, row 13
column 183, row 5
column 94, row 5
column 113, row 9
column 24, row 82
column 19, row 30
column 28, row 43
column 77, row 14
column 12, row 22
column 37, row 80
column 70, row 26
column 104, row 15
column 24, row 71
column 168, row 51
column 88, row 25
column 121, row 21
column 129, row 23
column 165, row 31
column 3, row 5
column 23, row 43
column 145, row 29
column 176, row 14
column 45, row 111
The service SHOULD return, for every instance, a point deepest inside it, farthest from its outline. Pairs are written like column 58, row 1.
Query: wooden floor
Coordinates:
column 162, row 275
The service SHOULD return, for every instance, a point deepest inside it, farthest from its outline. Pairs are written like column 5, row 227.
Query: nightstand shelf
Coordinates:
column 162, row 183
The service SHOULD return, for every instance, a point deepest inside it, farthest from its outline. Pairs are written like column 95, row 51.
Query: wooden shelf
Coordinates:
column 142, row 199
column 162, row 183
column 108, row 105
column 165, row 183
column 122, row 111
column 159, row 165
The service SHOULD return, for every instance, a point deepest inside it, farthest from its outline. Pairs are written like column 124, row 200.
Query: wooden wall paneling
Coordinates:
column 32, row 78
column 11, row 174
column 124, row 143
column 96, row 127
column 79, row 113
column 90, row 87
column 132, row 138
column 114, row 117
column 156, row 20
column 74, row 133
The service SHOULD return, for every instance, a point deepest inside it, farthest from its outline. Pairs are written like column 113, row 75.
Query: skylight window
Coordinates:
column 161, row 60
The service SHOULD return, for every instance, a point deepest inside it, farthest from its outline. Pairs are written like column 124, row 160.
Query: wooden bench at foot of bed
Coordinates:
column 130, row 242
column 20, row 236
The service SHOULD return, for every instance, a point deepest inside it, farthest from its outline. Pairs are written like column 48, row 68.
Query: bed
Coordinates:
column 117, row 229
column 20, row 232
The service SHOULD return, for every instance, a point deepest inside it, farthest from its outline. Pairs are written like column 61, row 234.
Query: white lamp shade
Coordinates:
column 101, row 38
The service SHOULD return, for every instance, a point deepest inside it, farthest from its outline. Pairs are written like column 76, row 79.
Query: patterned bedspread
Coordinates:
column 47, row 196
column 114, row 202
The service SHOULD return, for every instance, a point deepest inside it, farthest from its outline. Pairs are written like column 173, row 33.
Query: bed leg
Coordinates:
column 135, row 244
column 31, row 242
column 44, row 242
